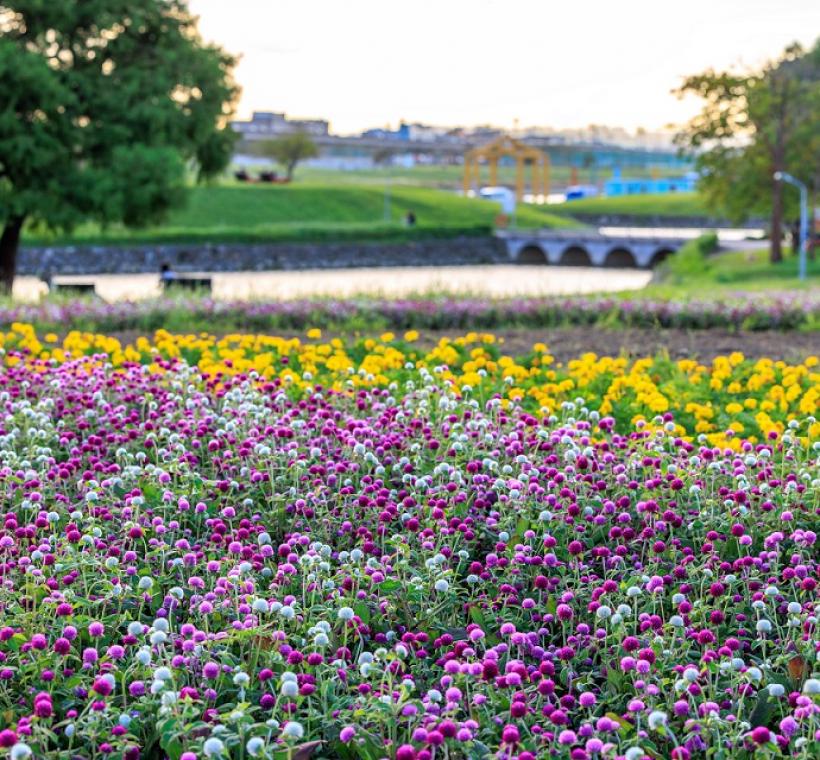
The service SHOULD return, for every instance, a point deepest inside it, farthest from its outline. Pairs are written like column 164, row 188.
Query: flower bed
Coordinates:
column 751, row 311
column 259, row 547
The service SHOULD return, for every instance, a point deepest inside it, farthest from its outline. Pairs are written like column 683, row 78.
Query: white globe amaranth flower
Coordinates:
column 657, row 719
column 289, row 689
column 213, row 747
column 811, row 686
column 293, row 730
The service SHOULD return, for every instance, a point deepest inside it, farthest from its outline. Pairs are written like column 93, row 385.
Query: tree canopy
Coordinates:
column 289, row 150
column 752, row 125
column 107, row 105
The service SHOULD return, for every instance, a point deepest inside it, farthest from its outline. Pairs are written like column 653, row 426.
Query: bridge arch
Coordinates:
column 575, row 256
column 532, row 254
column 620, row 258
column 660, row 255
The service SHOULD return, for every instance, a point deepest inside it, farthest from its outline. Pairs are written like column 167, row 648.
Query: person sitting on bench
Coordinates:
column 166, row 274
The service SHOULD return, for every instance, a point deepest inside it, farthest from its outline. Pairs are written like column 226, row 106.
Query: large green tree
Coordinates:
column 106, row 107
column 752, row 125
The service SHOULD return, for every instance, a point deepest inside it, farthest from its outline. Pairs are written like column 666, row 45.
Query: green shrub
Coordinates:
column 689, row 262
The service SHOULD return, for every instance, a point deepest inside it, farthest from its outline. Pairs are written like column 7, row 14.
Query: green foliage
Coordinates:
column 753, row 124
column 695, row 271
column 106, row 103
column 688, row 262
column 651, row 204
column 289, row 150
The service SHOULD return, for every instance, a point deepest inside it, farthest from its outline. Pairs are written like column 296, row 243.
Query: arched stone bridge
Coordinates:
column 588, row 249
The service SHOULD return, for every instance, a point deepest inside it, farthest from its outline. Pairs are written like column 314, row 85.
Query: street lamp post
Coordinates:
column 804, row 218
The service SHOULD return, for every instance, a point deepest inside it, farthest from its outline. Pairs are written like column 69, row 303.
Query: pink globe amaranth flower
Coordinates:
column 587, row 699
column 406, row 752
column 681, row 708
column 8, row 738
column 347, row 734
column 435, row 738
column 102, row 686
column 760, row 735
column 96, row 629
column 211, row 670
column 510, row 734
column 42, row 705
column 567, row 737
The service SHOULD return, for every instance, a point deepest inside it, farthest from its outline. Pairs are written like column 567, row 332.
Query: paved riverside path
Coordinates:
column 490, row 280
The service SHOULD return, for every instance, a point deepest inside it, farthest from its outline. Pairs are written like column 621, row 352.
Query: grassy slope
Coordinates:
column 235, row 212
column 672, row 204
column 725, row 273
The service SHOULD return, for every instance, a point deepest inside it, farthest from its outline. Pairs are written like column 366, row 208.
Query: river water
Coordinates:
column 492, row 281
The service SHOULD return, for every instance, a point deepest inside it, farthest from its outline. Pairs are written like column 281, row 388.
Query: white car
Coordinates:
column 502, row 195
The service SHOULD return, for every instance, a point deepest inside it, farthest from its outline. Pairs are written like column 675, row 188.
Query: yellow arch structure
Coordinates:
column 506, row 146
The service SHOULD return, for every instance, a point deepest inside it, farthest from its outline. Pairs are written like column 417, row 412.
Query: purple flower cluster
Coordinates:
column 215, row 565
column 753, row 311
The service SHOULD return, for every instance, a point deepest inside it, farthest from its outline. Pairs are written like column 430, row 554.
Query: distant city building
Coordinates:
column 415, row 133
column 272, row 124
column 594, row 151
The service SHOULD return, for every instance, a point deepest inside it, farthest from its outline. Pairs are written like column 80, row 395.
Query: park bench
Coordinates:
column 200, row 284
column 74, row 288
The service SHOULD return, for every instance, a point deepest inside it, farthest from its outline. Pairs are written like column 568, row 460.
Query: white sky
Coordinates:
column 560, row 63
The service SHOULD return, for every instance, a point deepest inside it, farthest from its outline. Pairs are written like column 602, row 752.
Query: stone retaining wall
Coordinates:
column 260, row 257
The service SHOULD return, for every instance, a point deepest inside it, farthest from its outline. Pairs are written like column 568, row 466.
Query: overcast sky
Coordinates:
column 564, row 63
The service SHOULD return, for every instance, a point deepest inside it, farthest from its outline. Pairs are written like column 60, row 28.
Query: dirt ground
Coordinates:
column 705, row 345
column 567, row 343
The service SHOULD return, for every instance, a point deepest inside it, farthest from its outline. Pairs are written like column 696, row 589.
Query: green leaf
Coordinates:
column 363, row 611
column 763, row 709
column 478, row 751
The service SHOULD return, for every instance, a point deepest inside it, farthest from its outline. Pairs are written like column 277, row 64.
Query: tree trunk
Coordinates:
column 776, row 247
column 9, row 243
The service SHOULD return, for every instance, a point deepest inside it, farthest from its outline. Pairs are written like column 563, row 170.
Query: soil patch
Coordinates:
column 566, row 343
column 704, row 345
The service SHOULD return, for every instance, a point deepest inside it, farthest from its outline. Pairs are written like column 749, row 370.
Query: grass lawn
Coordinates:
column 720, row 273
column 666, row 204
column 309, row 210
